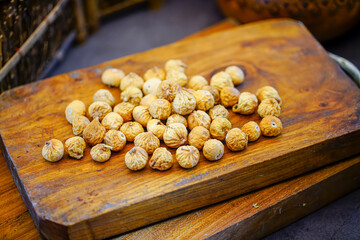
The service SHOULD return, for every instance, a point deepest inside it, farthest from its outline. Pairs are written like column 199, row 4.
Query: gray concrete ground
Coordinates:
column 142, row 29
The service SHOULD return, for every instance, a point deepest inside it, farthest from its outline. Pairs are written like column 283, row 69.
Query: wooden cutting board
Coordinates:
column 83, row 199
column 236, row 218
column 278, row 206
column 262, row 212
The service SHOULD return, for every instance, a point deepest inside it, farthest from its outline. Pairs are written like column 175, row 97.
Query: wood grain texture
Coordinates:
column 81, row 199
column 233, row 218
column 15, row 219
column 278, row 205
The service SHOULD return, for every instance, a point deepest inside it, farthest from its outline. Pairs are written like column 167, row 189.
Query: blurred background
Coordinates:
column 40, row 39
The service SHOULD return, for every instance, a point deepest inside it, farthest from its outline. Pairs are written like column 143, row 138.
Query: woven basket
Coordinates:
column 31, row 32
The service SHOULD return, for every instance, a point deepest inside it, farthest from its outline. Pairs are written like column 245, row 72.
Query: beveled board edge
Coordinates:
column 303, row 200
column 60, row 230
column 178, row 202
column 257, row 214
